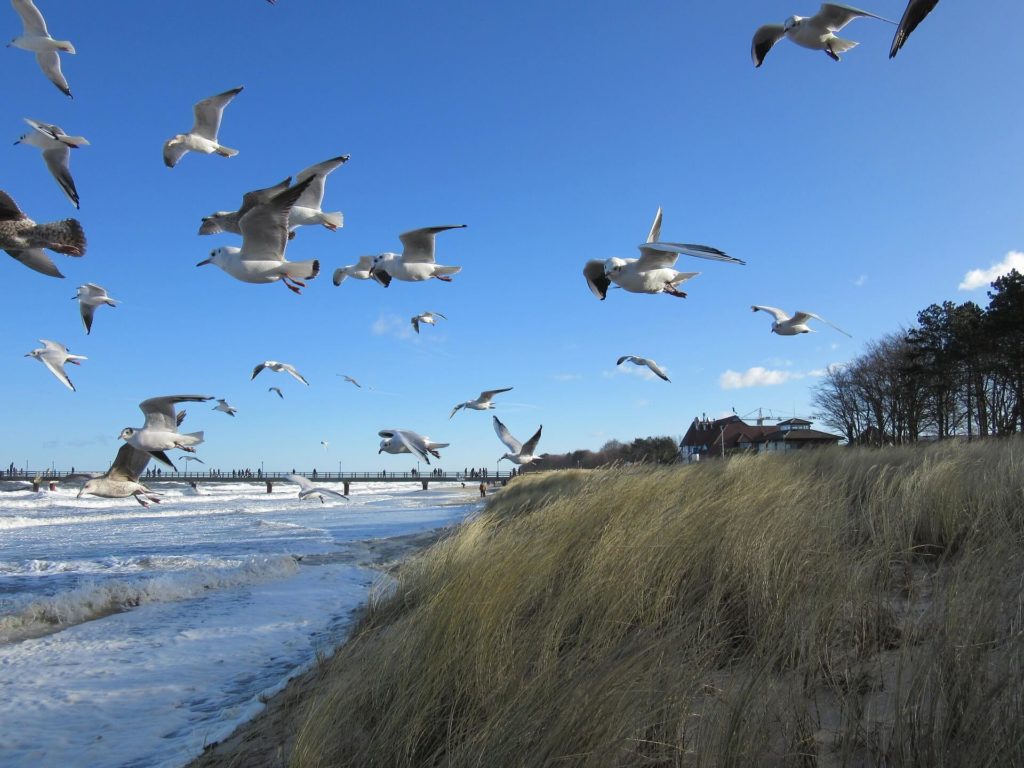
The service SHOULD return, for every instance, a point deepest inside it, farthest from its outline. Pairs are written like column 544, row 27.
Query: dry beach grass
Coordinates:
column 834, row 607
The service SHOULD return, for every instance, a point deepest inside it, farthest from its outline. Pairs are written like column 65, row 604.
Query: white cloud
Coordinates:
column 860, row 281
column 980, row 278
column 566, row 376
column 761, row 377
column 392, row 325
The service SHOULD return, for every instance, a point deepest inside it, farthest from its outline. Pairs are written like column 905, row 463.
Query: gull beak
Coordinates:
column 80, row 492
column 205, row 261
column 380, row 451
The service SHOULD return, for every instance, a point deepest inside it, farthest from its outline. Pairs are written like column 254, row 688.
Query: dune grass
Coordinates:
column 832, row 607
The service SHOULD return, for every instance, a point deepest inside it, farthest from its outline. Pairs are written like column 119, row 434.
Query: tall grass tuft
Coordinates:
column 833, row 607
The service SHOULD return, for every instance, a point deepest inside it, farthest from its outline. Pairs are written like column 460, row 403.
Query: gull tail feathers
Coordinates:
column 226, row 151
column 194, row 438
column 65, row 237
column 302, row 270
column 839, row 45
column 333, row 220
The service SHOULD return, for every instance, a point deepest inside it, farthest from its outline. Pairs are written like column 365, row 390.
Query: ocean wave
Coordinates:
column 95, row 599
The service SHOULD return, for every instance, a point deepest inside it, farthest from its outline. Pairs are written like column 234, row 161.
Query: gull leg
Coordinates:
column 289, row 286
column 673, row 291
column 831, row 54
column 443, row 278
column 188, row 448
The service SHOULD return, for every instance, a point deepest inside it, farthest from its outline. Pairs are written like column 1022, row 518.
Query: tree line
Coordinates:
column 650, row 450
column 958, row 372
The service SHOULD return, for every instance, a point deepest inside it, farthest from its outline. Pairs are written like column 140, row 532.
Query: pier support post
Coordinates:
column 270, row 487
column 346, row 486
column 424, row 483
column 53, row 485
column 35, row 486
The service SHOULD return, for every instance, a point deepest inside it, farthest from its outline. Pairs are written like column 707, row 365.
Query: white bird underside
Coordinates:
column 482, row 403
column 519, row 453
column 36, row 38
column 90, row 296
column 417, row 260
column 784, row 325
column 54, row 355
column 308, row 490
column 277, row 367
column 203, row 136
column 406, row 441
column 643, row 361
column 160, row 431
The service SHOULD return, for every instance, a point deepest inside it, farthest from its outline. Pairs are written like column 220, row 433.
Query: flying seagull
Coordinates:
column 36, row 38
column 653, row 272
column 416, row 262
column 24, row 240
column 54, row 355
column 222, row 405
column 914, row 15
column 261, row 258
column 277, row 367
column 160, row 432
column 276, row 389
column 430, row 318
column 520, row 453
column 815, row 32
column 89, row 297
column 228, row 221
column 405, row 441
column 482, row 403
column 644, row 361
column 350, row 380
column 203, row 136
column 308, row 490
column 325, row 444
column 56, row 146
column 784, row 325
column 122, row 479
column 359, row 271
column 306, row 210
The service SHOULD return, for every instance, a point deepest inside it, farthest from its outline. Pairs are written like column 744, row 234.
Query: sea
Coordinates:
column 135, row 637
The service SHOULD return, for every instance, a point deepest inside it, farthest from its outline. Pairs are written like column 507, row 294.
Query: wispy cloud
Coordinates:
column 566, row 376
column 388, row 324
column 759, row 376
column 980, row 278
column 861, row 281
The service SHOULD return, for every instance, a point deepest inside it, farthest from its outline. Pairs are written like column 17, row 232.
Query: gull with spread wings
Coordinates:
column 203, row 136
column 784, row 325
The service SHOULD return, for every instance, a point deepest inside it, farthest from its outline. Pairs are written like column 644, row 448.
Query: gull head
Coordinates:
column 126, row 433
column 792, row 23
column 217, row 256
column 613, row 266
column 89, row 487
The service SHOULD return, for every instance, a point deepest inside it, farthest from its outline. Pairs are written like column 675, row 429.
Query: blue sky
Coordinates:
column 863, row 191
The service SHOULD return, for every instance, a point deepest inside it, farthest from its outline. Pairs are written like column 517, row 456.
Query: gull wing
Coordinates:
column 209, row 112
column 173, row 153
column 31, row 19
column 655, row 234
column 291, row 370
column 351, row 380
column 276, row 389
column 264, row 227
column 57, row 369
column 159, row 411
column 914, row 15
column 416, row 323
column 304, row 485
column 56, row 133
column 320, row 491
column 313, row 197
column 656, row 368
column 418, row 244
column 49, row 62
column 57, row 161
column 486, row 396
column 9, row 210
column 36, row 258
column 665, row 254
column 416, row 444
column 456, row 409
column 129, row 464
column 778, row 314
column 506, row 437
column 54, row 346
column 802, row 317
column 257, row 369
column 764, row 38
column 596, row 278
column 531, row 445
column 258, row 196
column 835, row 16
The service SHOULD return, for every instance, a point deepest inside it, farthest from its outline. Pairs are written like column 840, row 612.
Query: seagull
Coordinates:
column 404, row 441
column 227, row 221
column 277, row 367
column 644, row 361
column 222, row 405
column 360, row 270
column 785, row 325
column 24, row 240
column 160, row 432
column 308, row 490
column 34, row 37
column 430, row 318
column 350, row 380
column 122, row 479
column 914, row 15
column 53, row 355
column 307, row 208
column 521, row 453
column 652, row 273
column 89, row 297
column 264, row 239
column 416, row 263
column 482, row 403
column 56, row 146
column 203, row 136
column 276, row 389
column 325, row 444
column 815, row 32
